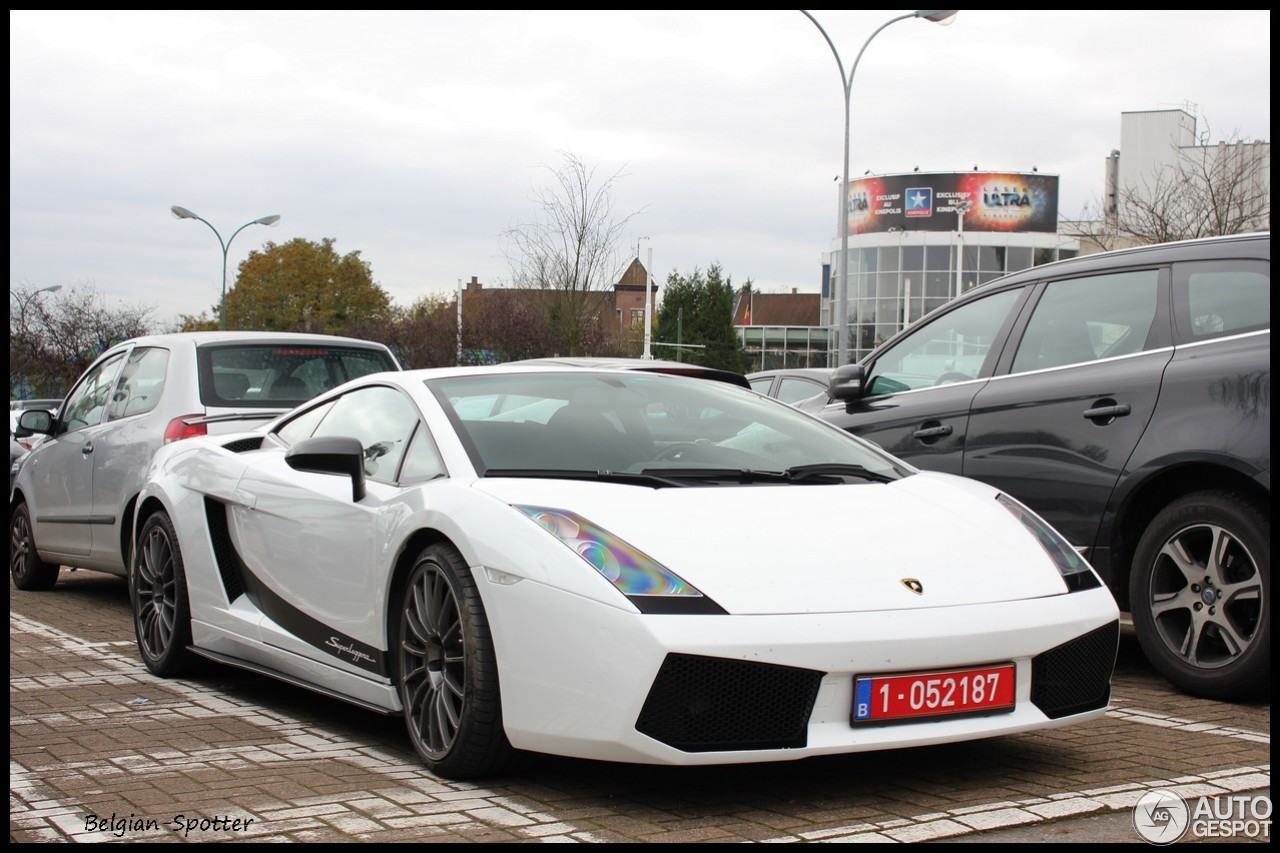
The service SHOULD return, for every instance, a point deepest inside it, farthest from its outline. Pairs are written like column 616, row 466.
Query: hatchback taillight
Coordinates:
column 187, row 426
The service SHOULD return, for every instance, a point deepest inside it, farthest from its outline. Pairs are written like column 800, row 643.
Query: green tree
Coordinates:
column 303, row 286
column 697, row 309
column 569, row 253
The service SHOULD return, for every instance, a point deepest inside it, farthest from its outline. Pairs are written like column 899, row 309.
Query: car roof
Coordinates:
column 822, row 374
column 648, row 365
column 203, row 338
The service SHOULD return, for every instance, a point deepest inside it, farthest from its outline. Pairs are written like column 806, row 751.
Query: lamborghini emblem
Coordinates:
column 913, row 585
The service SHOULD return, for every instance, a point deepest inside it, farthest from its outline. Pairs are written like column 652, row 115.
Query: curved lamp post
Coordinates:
column 183, row 213
column 23, row 303
column 937, row 16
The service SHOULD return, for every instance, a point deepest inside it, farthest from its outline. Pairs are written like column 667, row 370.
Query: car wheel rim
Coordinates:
column 155, row 593
column 432, row 662
column 20, row 545
column 1206, row 596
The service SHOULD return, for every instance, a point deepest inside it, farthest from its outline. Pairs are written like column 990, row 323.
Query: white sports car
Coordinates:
column 613, row 565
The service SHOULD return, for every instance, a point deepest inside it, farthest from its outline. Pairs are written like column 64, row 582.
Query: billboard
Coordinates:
column 930, row 201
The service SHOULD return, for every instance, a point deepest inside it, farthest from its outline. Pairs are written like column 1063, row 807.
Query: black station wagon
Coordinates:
column 1126, row 398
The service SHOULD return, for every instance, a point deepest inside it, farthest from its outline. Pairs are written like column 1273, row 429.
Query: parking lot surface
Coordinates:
column 100, row 750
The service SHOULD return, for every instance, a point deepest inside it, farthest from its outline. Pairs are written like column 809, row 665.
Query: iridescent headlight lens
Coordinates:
column 1073, row 568
column 632, row 572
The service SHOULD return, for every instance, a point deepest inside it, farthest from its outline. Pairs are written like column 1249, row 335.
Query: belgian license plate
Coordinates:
column 886, row 698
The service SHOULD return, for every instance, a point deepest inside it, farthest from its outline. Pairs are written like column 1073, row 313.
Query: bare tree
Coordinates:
column 1204, row 191
column 570, row 253
column 53, row 339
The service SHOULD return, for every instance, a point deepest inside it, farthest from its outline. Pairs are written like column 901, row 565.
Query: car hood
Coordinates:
column 770, row 549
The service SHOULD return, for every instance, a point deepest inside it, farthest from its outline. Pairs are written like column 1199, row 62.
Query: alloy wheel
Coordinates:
column 432, row 661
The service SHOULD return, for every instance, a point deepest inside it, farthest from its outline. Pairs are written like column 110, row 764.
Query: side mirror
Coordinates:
column 331, row 454
column 32, row 422
column 846, row 382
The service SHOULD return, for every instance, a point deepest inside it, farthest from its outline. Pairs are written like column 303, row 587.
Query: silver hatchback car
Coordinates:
column 73, row 501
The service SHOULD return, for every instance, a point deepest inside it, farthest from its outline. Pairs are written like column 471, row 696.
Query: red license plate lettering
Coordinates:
column 882, row 698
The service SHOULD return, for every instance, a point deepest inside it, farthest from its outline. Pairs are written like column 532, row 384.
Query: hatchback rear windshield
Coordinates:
column 280, row 376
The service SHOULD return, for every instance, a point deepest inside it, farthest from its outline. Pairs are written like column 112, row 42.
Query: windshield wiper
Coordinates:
column 836, row 469
column 630, row 478
column 739, row 475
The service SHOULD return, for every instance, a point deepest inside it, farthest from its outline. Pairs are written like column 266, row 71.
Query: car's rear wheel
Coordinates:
column 448, row 670
column 29, row 572
column 161, row 610
column 1200, row 593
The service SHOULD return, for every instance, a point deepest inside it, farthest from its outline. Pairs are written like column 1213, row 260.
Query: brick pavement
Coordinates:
column 101, row 750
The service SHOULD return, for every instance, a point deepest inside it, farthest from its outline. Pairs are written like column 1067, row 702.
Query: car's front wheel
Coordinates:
column 1200, row 593
column 158, row 589
column 448, row 670
column 29, row 572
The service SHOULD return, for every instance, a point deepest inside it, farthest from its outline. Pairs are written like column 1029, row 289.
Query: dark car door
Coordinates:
column 920, row 385
column 1074, row 391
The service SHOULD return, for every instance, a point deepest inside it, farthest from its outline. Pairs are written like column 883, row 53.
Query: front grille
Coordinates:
column 703, row 704
column 1076, row 676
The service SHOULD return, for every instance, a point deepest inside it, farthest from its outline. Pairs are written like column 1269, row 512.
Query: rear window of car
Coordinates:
column 281, row 375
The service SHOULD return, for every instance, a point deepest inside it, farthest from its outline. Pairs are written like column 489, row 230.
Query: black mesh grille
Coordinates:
column 220, row 538
column 244, row 445
column 1076, row 676
column 701, row 704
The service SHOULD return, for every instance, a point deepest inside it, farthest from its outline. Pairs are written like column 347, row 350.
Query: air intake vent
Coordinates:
column 244, row 445
column 1076, row 676
column 224, row 552
column 703, row 704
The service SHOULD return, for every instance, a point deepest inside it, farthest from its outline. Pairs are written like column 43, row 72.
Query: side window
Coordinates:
column 141, row 383
column 382, row 419
column 793, row 390
column 762, row 385
column 950, row 348
column 1216, row 298
column 1084, row 319
column 304, row 424
column 88, row 402
column 421, row 462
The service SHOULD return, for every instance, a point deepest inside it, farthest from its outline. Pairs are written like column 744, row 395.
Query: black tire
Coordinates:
column 158, row 592
column 448, row 670
column 1200, row 594
column 29, row 572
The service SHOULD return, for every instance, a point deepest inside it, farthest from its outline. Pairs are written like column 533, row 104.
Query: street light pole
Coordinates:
column 183, row 213
column 961, row 209
column 937, row 16
column 23, row 303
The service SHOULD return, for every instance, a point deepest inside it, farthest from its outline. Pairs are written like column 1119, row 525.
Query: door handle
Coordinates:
column 87, row 449
column 1107, row 414
column 932, row 432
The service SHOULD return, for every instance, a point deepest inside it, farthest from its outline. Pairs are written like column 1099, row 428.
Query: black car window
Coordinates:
column 281, row 375
column 382, row 418
column 1222, row 298
column 1084, row 319
column 141, row 383
column 88, row 402
column 792, row 389
column 950, row 348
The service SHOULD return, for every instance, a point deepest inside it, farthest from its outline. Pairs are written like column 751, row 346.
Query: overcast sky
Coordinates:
column 416, row 138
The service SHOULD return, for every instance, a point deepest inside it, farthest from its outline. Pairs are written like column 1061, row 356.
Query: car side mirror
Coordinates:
column 331, row 454
column 847, row 382
column 32, row 422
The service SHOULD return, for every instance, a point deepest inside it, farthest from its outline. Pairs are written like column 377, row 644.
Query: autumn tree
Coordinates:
column 697, row 309
column 1204, row 191
column 303, row 286
column 54, row 337
column 569, row 253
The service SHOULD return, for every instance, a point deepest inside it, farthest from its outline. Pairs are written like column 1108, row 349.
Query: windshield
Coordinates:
column 518, row 424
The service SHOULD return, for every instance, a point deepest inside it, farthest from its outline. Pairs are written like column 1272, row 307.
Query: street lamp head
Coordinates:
column 53, row 288
column 182, row 213
column 945, row 17
column 268, row 220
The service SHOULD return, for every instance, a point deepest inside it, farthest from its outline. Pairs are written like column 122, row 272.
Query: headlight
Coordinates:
column 1073, row 568
column 651, row 587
